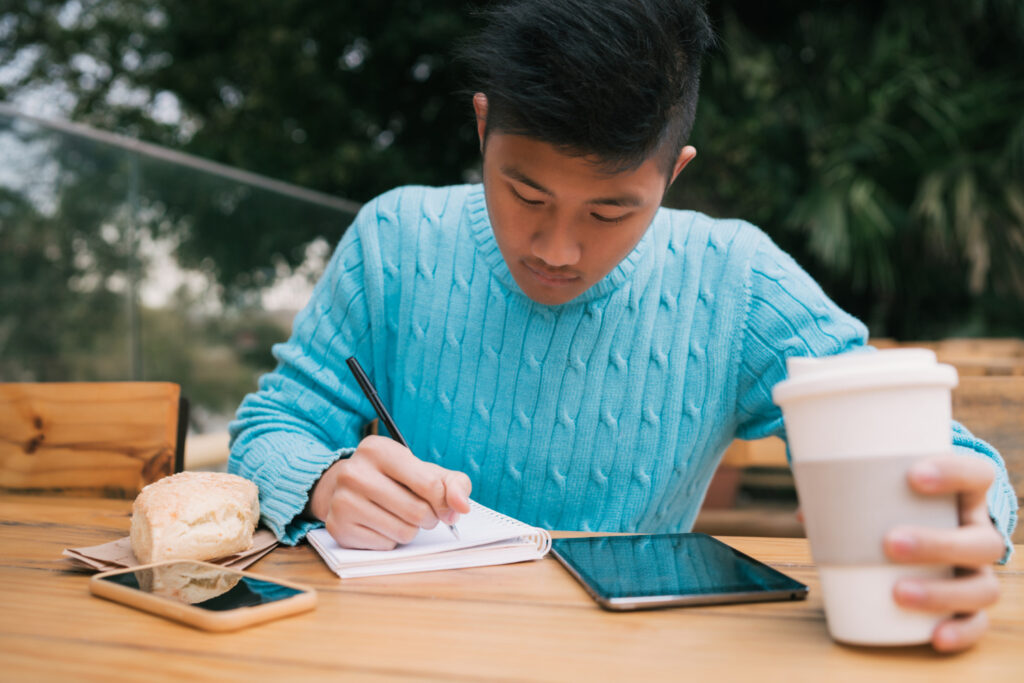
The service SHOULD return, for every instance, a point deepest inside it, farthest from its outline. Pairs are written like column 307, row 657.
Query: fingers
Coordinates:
column 424, row 479
column 959, row 633
column 457, row 488
column 445, row 491
column 356, row 522
column 967, row 593
column 975, row 545
column 968, row 477
column 366, row 481
column 383, row 495
column 358, row 536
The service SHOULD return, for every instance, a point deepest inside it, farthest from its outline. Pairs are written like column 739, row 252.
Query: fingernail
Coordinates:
column 926, row 474
column 902, row 542
column 910, row 592
column 947, row 638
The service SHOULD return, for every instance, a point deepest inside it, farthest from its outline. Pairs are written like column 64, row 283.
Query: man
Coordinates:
column 555, row 341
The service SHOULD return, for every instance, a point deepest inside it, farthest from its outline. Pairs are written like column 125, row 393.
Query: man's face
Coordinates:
column 562, row 223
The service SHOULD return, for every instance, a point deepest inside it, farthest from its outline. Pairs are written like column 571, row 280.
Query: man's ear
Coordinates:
column 686, row 155
column 480, row 107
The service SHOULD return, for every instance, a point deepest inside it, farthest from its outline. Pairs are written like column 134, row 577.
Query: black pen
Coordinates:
column 382, row 413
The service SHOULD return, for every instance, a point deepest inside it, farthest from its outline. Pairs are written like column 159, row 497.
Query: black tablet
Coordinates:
column 644, row 571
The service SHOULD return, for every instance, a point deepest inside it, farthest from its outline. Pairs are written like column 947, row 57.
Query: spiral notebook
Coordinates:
column 486, row 537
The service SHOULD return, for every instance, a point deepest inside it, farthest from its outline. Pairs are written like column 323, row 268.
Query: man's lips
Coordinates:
column 547, row 277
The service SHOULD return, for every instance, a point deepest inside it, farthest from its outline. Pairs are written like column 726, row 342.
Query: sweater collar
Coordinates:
column 480, row 226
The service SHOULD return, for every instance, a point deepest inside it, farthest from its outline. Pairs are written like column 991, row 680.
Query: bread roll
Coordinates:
column 194, row 516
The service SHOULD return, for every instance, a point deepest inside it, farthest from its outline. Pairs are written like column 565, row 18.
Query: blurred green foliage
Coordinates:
column 347, row 98
column 214, row 358
column 55, row 305
column 881, row 143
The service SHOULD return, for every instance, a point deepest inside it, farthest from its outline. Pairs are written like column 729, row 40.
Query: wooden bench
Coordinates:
column 971, row 357
column 992, row 407
column 101, row 439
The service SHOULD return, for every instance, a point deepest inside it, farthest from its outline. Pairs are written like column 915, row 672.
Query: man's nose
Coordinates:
column 556, row 244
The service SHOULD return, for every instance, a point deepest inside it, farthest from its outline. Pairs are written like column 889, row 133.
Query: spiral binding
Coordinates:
column 539, row 536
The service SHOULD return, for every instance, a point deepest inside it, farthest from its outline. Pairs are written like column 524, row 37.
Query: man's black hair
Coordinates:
column 615, row 79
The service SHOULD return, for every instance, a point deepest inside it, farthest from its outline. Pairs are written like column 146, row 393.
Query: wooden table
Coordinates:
column 528, row 621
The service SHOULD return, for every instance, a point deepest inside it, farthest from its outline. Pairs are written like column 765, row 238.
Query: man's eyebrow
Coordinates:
column 515, row 174
column 626, row 200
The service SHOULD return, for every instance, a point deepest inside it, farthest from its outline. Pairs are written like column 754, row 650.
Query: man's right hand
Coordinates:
column 383, row 495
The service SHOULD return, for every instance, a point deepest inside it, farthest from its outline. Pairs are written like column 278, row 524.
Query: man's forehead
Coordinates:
column 513, row 144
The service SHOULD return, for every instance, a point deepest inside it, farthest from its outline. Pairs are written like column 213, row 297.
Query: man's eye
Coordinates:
column 606, row 219
column 524, row 200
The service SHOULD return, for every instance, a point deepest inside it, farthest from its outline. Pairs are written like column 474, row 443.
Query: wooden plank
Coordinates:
column 87, row 439
column 971, row 357
column 970, row 366
column 762, row 520
column 528, row 621
column 1008, row 347
column 1002, row 347
column 83, row 658
column 769, row 452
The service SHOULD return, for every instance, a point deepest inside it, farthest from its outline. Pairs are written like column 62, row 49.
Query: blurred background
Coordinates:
column 174, row 175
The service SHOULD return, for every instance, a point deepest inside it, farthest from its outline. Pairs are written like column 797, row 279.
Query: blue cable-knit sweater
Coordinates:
column 608, row 413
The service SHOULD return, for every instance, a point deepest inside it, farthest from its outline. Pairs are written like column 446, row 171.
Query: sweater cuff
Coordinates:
column 290, row 526
column 286, row 481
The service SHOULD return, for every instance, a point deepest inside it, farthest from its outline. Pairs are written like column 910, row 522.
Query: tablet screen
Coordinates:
column 645, row 566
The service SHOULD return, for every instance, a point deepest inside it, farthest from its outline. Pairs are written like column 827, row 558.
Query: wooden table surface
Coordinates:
column 528, row 621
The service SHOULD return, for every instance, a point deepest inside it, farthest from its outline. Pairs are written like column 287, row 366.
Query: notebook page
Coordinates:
column 502, row 552
column 478, row 527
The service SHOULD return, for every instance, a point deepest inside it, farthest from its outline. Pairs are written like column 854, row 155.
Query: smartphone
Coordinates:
column 645, row 571
column 203, row 595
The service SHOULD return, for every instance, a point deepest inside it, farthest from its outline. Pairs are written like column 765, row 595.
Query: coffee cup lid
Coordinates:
column 862, row 370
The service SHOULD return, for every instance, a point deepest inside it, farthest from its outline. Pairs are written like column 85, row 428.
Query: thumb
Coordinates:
column 457, row 488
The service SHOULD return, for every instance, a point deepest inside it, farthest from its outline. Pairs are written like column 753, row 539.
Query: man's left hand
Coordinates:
column 971, row 549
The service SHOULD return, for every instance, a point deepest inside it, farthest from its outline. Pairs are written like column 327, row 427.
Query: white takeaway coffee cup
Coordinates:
column 856, row 423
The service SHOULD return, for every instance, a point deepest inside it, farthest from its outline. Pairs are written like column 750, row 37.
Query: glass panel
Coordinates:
column 109, row 259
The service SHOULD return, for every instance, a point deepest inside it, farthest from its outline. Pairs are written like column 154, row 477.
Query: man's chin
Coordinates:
column 551, row 296
column 551, row 300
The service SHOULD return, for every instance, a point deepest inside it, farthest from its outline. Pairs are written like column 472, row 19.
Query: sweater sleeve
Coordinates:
column 789, row 315
column 309, row 412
